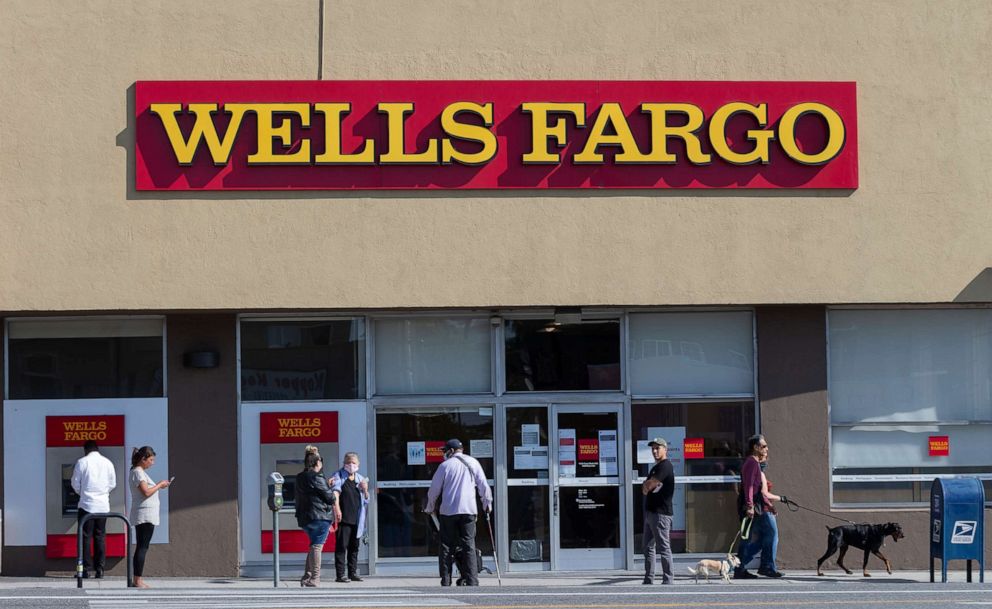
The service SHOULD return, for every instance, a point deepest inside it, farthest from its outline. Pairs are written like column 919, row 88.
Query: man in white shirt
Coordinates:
column 93, row 478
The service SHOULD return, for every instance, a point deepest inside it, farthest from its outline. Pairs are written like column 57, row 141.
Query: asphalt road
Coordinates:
column 892, row 594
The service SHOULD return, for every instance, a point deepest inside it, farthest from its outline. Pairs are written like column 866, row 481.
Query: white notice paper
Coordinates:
column 608, row 452
column 416, row 453
column 530, row 434
column 530, row 457
column 644, row 455
column 566, row 453
column 481, row 449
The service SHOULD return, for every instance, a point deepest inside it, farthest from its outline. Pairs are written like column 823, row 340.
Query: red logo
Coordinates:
column 940, row 446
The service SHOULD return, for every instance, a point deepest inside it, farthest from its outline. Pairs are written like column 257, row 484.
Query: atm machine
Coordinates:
column 64, row 440
column 283, row 441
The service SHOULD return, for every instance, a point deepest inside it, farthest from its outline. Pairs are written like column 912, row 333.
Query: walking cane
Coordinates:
column 492, row 539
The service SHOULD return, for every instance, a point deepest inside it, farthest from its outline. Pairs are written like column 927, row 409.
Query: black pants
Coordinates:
column 458, row 545
column 94, row 530
column 143, row 533
column 346, row 544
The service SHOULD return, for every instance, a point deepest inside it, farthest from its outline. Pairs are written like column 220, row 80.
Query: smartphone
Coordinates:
column 171, row 479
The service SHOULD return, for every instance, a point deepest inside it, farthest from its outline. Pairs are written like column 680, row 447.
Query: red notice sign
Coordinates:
column 435, row 451
column 412, row 135
column 940, row 446
column 588, row 450
column 105, row 430
column 693, row 448
column 298, row 427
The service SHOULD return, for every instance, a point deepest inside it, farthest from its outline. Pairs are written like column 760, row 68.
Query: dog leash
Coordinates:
column 789, row 503
column 743, row 533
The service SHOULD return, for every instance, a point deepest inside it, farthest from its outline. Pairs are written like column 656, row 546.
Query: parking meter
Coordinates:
column 275, row 491
column 275, row 504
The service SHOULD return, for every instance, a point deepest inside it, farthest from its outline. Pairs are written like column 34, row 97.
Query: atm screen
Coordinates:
column 70, row 499
column 289, row 468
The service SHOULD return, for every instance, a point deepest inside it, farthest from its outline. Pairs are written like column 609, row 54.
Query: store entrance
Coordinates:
column 564, row 499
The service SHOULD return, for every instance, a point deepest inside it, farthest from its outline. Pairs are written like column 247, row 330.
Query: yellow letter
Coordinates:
column 332, row 155
column 661, row 131
column 470, row 133
column 540, row 131
column 835, row 133
column 203, row 129
column 284, row 132
column 718, row 134
column 610, row 114
column 396, row 113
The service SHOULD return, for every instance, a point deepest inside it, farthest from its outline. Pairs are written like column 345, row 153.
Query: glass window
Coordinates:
column 302, row 359
column 432, row 355
column 542, row 355
column 705, row 517
column 902, row 382
column 528, row 506
column 691, row 353
column 74, row 359
column 409, row 449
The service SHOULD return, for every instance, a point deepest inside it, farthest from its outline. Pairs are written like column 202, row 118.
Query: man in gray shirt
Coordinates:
column 455, row 483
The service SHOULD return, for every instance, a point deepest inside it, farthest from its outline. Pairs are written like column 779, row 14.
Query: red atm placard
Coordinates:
column 479, row 134
column 298, row 427
column 105, row 430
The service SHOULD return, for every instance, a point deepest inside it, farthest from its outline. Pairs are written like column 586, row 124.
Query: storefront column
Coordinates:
column 203, row 444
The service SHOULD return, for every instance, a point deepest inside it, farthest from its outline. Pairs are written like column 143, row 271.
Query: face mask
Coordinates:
column 763, row 466
column 351, row 468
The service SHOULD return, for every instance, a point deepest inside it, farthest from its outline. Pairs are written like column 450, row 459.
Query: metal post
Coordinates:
column 79, row 546
column 275, row 549
column 969, row 570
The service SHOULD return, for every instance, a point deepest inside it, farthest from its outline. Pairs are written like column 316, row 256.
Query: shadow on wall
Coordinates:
column 979, row 290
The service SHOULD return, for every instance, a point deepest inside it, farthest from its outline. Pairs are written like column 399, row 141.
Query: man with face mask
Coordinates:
column 455, row 483
column 351, row 497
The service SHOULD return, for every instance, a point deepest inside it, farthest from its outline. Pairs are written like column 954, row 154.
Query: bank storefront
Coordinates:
column 557, row 405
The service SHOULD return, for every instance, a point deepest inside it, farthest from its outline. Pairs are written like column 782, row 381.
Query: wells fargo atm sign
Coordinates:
column 334, row 135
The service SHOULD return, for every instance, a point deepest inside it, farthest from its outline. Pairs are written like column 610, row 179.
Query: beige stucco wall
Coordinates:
column 75, row 238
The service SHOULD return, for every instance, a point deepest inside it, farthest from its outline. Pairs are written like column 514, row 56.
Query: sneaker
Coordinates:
column 342, row 580
column 354, row 578
column 770, row 573
column 744, row 574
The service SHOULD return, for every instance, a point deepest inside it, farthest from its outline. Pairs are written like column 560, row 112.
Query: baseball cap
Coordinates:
column 658, row 442
column 452, row 444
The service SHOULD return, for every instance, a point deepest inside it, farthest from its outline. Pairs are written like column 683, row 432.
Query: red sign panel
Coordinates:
column 435, row 451
column 105, row 430
column 588, row 450
column 692, row 448
column 940, row 446
column 371, row 135
column 298, row 427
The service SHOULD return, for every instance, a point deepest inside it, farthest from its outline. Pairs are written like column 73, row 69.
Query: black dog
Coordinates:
column 867, row 537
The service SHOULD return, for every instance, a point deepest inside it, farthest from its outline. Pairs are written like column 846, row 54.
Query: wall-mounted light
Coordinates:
column 201, row 359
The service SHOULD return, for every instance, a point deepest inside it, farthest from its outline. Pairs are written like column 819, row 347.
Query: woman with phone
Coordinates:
column 144, row 506
column 314, row 513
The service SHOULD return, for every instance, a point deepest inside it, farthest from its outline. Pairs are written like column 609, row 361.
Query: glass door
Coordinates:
column 528, row 488
column 587, row 502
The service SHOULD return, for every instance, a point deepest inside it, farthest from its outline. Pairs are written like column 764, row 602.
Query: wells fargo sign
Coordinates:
column 330, row 135
column 298, row 427
column 105, row 430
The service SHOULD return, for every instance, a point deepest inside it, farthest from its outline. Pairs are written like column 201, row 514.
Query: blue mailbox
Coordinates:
column 956, row 523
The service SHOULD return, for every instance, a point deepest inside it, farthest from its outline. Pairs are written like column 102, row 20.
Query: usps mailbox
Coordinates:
column 956, row 524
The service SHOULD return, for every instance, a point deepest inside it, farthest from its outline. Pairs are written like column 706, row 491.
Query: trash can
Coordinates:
column 957, row 519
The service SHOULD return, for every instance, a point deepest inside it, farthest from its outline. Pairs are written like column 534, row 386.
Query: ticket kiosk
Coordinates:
column 284, row 438
column 64, row 440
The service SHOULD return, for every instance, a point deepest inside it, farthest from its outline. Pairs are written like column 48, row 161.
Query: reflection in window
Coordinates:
column 302, row 360
column 432, row 355
column 542, row 355
column 74, row 359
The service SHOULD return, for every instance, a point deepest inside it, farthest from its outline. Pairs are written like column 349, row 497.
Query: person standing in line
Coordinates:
column 455, row 483
column 658, row 489
column 93, row 477
column 351, row 496
column 314, row 512
column 144, row 507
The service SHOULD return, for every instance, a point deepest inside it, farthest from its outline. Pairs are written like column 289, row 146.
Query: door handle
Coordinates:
column 556, row 503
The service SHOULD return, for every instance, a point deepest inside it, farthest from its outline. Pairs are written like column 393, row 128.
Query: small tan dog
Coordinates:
column 723, row 567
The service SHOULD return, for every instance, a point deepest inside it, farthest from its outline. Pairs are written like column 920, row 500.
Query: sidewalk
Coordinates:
column 807, row 579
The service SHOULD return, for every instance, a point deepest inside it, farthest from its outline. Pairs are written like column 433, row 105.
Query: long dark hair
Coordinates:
column 140, row 454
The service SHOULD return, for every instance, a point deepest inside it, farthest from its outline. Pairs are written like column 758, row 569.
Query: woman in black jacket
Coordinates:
column 314, row 512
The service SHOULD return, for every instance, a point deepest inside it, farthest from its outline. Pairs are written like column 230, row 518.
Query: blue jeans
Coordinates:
column 763, row 539
column 317, row 530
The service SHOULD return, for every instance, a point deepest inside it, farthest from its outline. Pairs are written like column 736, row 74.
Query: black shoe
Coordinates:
column 744, row 574
column 770, row 573
column 342, row 580
column 461, row 582
column 99, row 575
column 355, row 578
column 445, row 582
column 648, row 581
